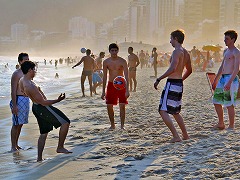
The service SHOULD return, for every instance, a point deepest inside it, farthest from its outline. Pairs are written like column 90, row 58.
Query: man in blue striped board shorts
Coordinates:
column 171, row 98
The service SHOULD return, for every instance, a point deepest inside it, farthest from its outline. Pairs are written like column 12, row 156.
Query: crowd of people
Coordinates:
column 100, row 71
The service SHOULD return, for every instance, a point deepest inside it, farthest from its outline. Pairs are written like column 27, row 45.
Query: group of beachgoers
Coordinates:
column 23, row 88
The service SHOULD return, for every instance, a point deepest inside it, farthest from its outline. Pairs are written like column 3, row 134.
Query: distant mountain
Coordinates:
column 53, row 15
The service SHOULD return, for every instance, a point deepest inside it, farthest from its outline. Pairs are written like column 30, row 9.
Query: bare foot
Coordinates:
column 83, row 95
column 173, row 140
column 219, row 127
column 63, row 150
column 112, row 128
column 18, row 147
column 13, row 150
column 230, row 128
column 122, row 128
column 185, row 137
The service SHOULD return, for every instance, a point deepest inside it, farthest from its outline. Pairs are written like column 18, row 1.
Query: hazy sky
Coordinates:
column 52, row 15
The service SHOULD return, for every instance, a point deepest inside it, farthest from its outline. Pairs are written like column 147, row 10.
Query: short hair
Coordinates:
column 21, row 55
column 101, row 53
column 232, row 34
column 179, row 34
column 130, row 48
column 88, row 52
column 26, row 66
column 155, row 48
column 113, row 45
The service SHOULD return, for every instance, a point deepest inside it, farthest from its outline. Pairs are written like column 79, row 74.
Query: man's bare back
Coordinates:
column 15, row 80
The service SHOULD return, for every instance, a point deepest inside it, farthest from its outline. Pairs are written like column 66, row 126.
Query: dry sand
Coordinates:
column 142, row 151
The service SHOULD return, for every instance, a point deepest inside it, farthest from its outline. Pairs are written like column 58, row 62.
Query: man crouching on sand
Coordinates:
column 47, row 115
column 171, row 99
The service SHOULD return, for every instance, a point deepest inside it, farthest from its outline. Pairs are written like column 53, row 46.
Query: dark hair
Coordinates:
column 26, row 66
column 21, row 55
column 179, row 34
column 102, row 53
column 113, row 45
column 232, row 34
column 131, row 48
column 88, row 52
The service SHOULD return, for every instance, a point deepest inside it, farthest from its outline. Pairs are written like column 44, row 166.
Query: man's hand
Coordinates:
column 15, row 110
column 61, row 97
column 103, row 96
column 156, row 83
column 227, row 86
column 127, row 94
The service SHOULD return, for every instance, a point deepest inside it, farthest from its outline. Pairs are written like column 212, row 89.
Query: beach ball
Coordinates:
column 83, row 50
column 119, row 83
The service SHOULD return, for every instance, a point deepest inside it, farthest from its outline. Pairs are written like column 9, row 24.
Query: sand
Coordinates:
column 142, row 151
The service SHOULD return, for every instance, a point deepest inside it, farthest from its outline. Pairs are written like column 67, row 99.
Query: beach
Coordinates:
column 142, row 151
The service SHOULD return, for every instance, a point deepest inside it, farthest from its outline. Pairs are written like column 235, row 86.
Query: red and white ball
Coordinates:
column 119, row 83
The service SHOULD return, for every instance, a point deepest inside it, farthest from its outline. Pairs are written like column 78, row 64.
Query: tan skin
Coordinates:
column 133, row 62
column 180, row 59
column 88, row 65
column 37, row 96
column 230, row 65
column 15, row 90
column 115, row 66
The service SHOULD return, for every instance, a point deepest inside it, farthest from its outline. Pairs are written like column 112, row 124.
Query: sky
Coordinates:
column 53, row 15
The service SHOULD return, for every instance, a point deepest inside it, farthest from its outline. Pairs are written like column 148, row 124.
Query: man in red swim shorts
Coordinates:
column 116, row 66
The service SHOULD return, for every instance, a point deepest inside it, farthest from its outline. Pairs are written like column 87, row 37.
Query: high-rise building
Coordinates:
column 19, row 32
column 138, row 21
column 120, row 28
column 201, row 20
column 229, row 16
column 80, row 27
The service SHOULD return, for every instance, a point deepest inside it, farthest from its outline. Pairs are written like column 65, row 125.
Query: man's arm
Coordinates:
column 79, row 62
column 188, row 65
column 125, row 70
column 14, row 85
column 104, row 79
column 137, row 60
column 37, row 97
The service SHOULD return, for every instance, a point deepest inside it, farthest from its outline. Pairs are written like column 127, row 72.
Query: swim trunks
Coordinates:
column 96, row 78
column 226, row 98
column 171, row 98
column 87, row 72
column 48, row 116
column 23, row 105
column 132, row 69
column 114, row 96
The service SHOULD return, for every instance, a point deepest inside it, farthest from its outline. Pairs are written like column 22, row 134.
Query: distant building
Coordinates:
column 80, row 27
column 120, row 28
column 19, row 33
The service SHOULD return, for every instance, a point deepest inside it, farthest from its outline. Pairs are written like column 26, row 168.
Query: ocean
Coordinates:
column 68, row 82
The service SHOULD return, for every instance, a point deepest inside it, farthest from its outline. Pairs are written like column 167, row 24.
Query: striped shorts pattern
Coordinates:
column 171, row 98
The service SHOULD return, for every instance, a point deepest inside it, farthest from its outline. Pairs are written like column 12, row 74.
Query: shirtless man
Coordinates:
column 133, row 62
column 47, row 115
column 88, row 67
column 226, row 88
column 19, row 104
column 116, row 66
column 171, row 98
column 142, row 58
column 97, row 74
column 154, row 56
column 99, row 60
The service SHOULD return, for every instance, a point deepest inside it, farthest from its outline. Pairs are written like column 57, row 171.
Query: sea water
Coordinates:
column 68, row 82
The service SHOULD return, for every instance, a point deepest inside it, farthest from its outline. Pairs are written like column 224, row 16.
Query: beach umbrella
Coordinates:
column 211, row 48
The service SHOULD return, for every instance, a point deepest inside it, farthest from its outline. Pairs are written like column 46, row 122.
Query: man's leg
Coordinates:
column 168, row 121
column 111, row 115
column 14, row 138
column 41, row 143
column 155, row 69
column 90, row 84
column 130, row 82
column 135, row 81
column 82, row 84
column 181, row 124
column 231, row 116
column 122, row 114
column 18, row 134
column 219, row 110
column 62, row 136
